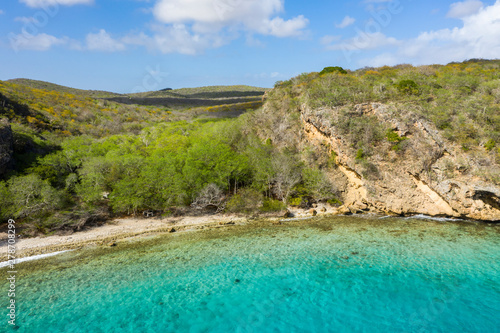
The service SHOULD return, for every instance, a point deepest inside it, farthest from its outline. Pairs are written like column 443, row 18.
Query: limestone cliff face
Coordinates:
column 6, row 145
column 428, row 176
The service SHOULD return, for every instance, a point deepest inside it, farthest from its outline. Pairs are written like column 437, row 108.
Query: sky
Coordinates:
column 142, row 45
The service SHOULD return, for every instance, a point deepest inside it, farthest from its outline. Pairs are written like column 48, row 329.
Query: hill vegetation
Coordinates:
column 36, row 84
column 79, row 160
column 461, row 99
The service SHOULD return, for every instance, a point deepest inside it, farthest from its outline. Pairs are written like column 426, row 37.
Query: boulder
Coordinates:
column 344, row 210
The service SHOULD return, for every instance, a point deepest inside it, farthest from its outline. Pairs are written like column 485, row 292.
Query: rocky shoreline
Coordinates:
column 114, row 231
column 122, row 229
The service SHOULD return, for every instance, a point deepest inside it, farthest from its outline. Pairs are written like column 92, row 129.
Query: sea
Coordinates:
column 326, row 274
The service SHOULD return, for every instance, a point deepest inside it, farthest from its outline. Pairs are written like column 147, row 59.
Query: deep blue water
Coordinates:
column 343, row 274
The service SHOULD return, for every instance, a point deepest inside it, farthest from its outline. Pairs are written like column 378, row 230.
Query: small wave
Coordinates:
column 40, row 256
column 433, row 218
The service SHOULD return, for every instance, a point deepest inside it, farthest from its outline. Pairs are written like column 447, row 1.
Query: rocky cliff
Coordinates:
column 417, row 172
column 6, row 146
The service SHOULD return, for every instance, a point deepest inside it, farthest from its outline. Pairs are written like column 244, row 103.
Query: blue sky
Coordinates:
column 139, row 45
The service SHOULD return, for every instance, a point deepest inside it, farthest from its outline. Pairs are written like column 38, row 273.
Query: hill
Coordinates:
column 233, row 100
column 399, row 140
column 35, row 84
column 207, row 92
column 240, row 98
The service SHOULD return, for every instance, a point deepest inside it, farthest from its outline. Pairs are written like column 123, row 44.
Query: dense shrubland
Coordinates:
column 80, row 159
column 461, row 99
column 64, row 114
column 163, row 168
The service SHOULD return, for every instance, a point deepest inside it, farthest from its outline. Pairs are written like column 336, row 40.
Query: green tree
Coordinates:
column 30, row 195
column 335, row 69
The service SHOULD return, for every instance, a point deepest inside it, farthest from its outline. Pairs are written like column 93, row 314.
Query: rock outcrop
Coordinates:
column 6, row 146
column 429, row 176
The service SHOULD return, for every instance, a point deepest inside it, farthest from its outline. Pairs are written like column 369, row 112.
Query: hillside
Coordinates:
column 63, row 113
column 35, row 84
column 210, row 101
column 404, row 140
column 207, row 92
column 397, row 140
column 236, row 99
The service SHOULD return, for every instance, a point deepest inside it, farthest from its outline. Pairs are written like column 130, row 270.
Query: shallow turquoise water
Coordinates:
column 342, row 274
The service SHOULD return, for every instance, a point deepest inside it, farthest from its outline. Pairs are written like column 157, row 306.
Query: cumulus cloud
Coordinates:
column 279, row 27
column 102, row 41
column 347, row 21
column 191, row 27
column 213, row 15
column 364, row 41
column 46, row 3
column 176, row 38
column 479, row 37
column 38, row 42
column 464, row 9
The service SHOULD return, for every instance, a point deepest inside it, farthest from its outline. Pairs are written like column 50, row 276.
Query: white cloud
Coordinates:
column 364, row 41
column 479, row 37
column 39, row 42
column 347, row 21
column 46, row 3
column 176, row 38
column 280, row 28
column 464, row 9
column 214, row 15
column 1, row 12
column 191, row 27
column 102, row 41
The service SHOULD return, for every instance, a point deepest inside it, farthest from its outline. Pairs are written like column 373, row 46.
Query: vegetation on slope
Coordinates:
column 203, row 99
column 70, row 173
column 35, row 84
column 66, row 114
column 461, row 99
column 135, row 158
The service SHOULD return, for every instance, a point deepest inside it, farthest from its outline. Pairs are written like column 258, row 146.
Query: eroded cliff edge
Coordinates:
column 425, row 174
